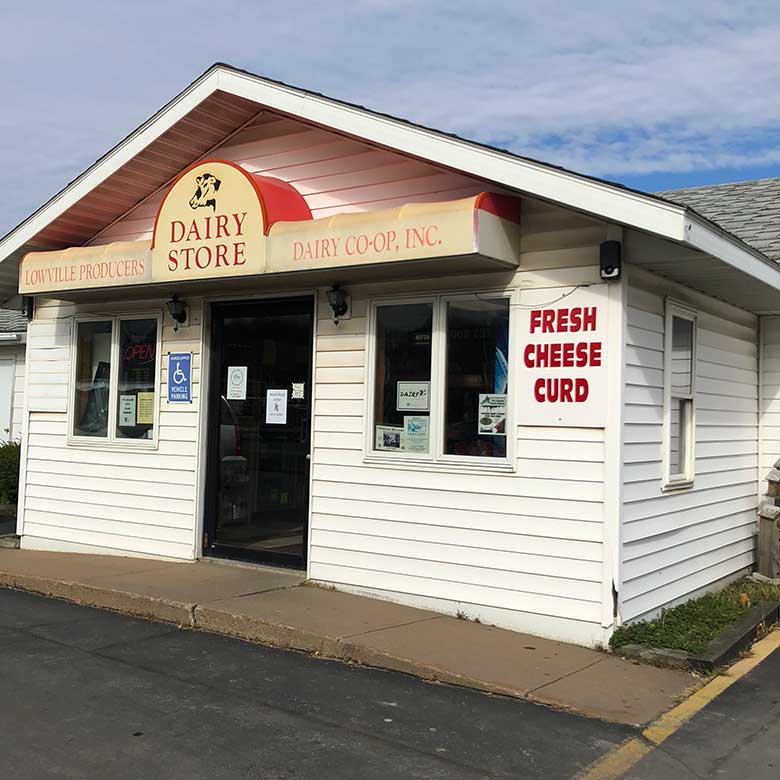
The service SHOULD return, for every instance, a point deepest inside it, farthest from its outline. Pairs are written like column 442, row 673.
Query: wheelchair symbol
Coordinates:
column 179, row 377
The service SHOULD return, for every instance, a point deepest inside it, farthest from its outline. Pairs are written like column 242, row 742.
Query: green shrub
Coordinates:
column 692, row 625
column 9, row 471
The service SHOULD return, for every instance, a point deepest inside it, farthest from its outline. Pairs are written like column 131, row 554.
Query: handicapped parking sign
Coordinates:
column 179, row 377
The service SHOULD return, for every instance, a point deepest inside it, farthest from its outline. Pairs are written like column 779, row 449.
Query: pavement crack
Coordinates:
column 565, row 676
column 682, row 763
column 386, row 628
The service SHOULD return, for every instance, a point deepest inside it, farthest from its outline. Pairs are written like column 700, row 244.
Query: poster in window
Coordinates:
column 127, row 411
column 413, row 396
column 492, row 414
column 145, row 410
column 276, row 407
column 416, row 433
column 389, row 437
column 236, row 383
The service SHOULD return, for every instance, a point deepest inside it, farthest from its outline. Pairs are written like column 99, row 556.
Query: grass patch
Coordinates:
column 691, row 626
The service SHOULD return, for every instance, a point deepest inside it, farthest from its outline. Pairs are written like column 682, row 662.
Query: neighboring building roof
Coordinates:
column 12, row 321
column 748, row 209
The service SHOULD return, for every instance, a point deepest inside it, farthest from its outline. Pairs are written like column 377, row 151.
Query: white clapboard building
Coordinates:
column 13, row 338
column 273, row 326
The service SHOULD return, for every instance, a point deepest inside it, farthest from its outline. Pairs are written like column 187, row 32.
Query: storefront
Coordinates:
column 418, row 368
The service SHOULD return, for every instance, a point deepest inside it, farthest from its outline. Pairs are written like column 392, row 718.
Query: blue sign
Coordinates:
column 180, row 377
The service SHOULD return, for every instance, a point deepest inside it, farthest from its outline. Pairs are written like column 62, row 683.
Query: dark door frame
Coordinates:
column 210, row 544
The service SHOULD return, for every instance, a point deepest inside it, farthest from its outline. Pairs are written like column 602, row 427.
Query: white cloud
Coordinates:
column 606, row 88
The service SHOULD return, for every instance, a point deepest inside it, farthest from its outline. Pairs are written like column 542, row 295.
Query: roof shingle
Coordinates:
column 748, row 209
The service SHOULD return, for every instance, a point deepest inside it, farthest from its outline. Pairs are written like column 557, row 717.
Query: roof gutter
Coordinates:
column 709, row 238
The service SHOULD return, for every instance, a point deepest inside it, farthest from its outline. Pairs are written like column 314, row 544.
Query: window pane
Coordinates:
column 679, row 437
column 137, row 379
column 477, row 371
column 93, row 374
column 682, row 356
column 403, row 378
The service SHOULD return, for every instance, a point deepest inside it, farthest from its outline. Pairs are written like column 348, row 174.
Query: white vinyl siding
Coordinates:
column 12, row 390
column 675, row 544
column 17, row 409
column 522, row 550
column 107, row 498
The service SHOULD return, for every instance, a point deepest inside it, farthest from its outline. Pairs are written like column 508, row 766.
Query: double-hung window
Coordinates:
column 680, row 394
column 440, row 379
column 115, row 379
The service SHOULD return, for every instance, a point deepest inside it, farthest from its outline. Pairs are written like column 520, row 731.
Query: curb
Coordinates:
column 250, row 629
column 271, row 634
column 730, row 642
column 334, row 648
column 726, row 646
column 133, row 604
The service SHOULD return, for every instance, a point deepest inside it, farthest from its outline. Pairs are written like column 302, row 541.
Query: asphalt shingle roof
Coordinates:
column 748, row 209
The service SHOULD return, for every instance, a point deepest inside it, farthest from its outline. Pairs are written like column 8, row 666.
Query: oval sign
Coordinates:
column 210, row 223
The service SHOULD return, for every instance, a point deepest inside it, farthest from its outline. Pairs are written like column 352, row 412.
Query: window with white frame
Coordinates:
column 115, row 379
column 441, row 378
column 680, row 392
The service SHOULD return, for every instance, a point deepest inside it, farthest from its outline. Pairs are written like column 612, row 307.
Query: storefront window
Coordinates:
column 477, row 378
column 402, row 399
column 93, row 375
column 115, row 378
column 136, row 377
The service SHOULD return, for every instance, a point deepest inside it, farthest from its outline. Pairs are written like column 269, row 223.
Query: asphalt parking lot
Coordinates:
column 92, row 694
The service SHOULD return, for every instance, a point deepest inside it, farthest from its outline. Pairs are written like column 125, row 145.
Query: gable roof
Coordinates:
column 748, row 209
column 165, row 143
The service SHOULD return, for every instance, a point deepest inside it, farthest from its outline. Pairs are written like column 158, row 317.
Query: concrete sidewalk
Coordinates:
column 274, row 607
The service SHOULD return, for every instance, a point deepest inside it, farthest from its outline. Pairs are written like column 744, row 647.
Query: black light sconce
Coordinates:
column 338, row 302
column 178, row 311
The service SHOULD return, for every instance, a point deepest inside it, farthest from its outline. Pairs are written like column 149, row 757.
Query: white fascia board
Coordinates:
column 601, row 199
column 112, row 162
column 706, row 237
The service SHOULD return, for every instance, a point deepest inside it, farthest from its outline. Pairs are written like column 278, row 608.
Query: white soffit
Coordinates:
column 601, row 199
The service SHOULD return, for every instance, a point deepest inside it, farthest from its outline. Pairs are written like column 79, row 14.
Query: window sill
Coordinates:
column 420, row 464
column 111, row 446
column 674, row 487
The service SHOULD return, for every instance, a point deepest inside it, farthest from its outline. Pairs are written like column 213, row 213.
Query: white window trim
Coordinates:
column 112, row 441
column 436, row 459
column 685, row 479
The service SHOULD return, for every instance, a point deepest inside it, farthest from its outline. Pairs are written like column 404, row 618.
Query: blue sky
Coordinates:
column 674, row 95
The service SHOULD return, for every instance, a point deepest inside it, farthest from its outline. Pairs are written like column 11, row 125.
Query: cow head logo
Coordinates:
column 206, row 192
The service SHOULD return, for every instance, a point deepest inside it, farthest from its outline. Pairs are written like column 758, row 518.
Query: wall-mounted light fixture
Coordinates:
column 338, row 302
column 178, row 311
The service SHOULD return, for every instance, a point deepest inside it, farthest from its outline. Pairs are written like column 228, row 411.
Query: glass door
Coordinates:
column 259, row 431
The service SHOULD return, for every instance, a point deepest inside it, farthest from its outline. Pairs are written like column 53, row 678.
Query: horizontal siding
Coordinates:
column 676, row 543
column 17, row 402
column 76, row 496
column 520, row 549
